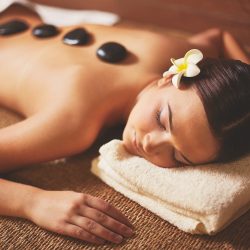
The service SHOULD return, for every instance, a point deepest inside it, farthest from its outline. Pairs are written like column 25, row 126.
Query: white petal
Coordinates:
column 176, row 79
column 179, row 61
column 172, row 70
column 193, row 56
column 166, row 74
column 192, row 70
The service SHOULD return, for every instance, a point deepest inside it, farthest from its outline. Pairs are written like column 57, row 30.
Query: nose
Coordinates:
column 155, row 140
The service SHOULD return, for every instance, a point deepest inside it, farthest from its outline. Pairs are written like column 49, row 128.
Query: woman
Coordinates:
column 67, row 94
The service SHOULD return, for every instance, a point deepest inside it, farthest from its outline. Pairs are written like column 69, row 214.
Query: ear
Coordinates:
column 165, row 81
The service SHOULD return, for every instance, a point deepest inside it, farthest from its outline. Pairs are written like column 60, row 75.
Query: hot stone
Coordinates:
column 112, row 52
column 45, row 30
column 77, row 36
column 13, row 27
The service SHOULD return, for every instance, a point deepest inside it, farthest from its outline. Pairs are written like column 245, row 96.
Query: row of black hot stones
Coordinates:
column 111, row 52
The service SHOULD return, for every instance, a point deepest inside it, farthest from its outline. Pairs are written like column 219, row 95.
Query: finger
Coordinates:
column 105, row 220
column 79, row 233
column 94, row 228
column 106, row 208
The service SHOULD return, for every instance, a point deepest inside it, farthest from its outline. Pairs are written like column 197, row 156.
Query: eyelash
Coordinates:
column 177, row 161
column 158, row 120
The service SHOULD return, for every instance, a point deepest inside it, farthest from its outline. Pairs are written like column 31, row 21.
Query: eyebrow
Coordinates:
column 171, row 128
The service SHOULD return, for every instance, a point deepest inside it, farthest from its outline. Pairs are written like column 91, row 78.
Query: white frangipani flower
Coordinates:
column 184, row 66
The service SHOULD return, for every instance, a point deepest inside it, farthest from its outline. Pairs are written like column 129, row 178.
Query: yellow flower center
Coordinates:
column 182, row 67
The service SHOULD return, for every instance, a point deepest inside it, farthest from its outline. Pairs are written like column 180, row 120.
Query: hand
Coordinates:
column 80, row 216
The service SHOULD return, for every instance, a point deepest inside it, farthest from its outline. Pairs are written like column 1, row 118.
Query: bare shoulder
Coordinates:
column 155, row 48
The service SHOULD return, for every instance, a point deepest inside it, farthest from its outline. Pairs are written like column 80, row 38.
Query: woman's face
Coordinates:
column 169, row 127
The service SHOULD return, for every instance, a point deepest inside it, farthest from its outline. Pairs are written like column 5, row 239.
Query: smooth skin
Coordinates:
column 66, row 95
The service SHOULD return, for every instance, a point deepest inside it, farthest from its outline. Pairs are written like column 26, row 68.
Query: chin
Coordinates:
column 126, row 141
column 128, row 146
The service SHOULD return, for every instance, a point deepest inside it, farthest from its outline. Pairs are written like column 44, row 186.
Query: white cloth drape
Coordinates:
column 65, row 17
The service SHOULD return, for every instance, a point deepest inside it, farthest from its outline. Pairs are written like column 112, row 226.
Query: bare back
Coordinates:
column 35, row 69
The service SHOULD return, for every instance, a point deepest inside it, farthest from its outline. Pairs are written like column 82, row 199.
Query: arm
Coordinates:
column 15, row 198
column 216, row 42
column 232, row 49
column 50, row 134
column 69, row 213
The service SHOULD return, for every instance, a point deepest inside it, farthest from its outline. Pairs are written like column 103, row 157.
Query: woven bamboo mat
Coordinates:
column 151, row 232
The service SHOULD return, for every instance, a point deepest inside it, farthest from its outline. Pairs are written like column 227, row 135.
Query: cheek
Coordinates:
column 164, row 160
column 163, row 163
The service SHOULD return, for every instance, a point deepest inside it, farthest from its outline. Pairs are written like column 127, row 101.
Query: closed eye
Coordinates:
column 177, row 162
column 183, row 161
column 158, row 119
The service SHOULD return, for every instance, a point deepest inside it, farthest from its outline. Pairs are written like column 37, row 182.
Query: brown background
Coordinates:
column 187, row 15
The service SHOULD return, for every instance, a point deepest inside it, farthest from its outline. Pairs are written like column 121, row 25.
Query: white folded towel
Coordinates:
column 64, row 17
column 199, row 199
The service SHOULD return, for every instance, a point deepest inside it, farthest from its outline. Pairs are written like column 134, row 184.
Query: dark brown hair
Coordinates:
column 223, row 86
